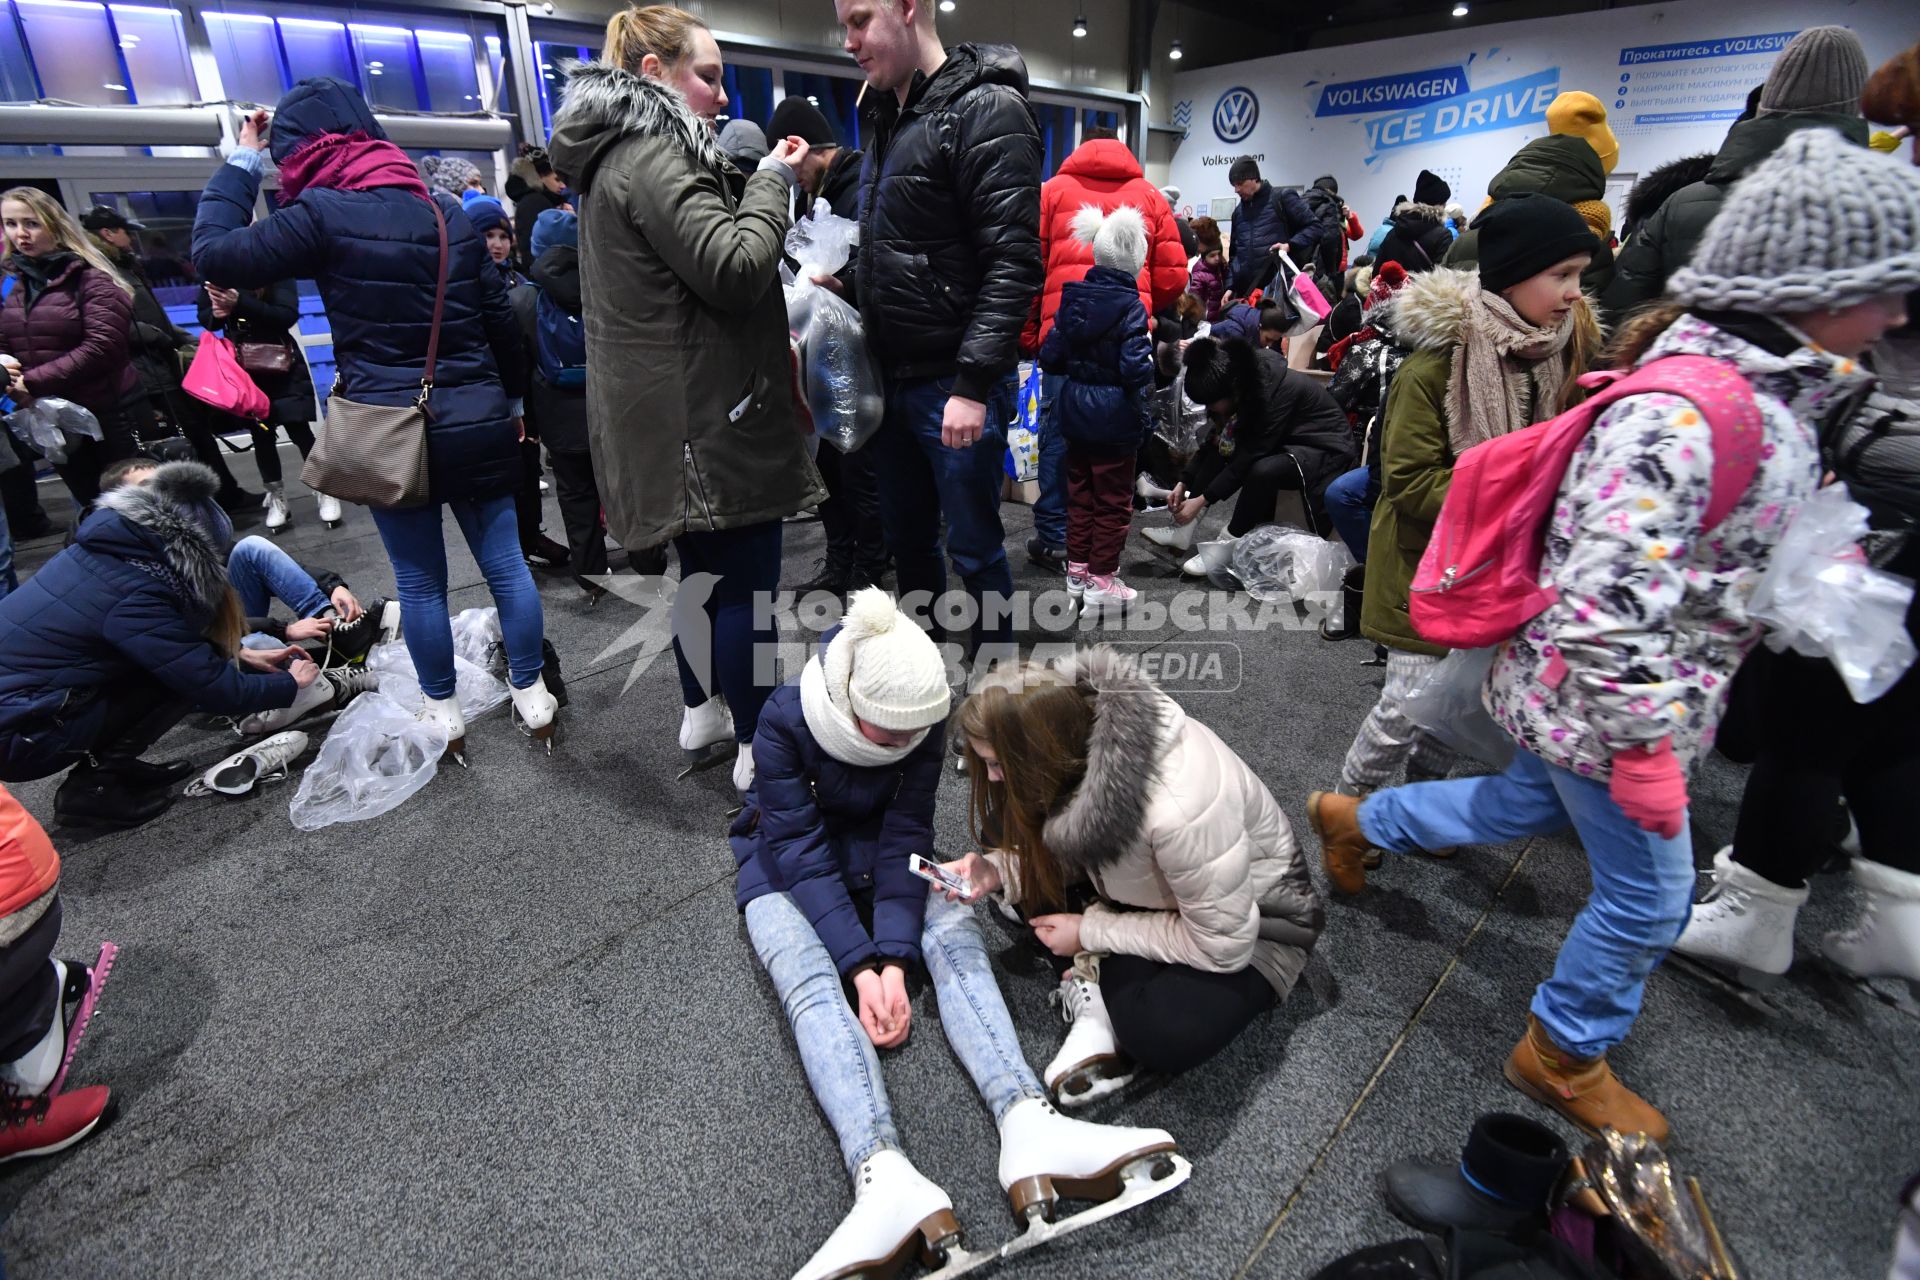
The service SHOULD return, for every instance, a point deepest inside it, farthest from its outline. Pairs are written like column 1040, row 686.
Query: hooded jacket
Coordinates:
column 270, row 315
column 153, row 340
column 1417, row 237
column 1194, row 862
column 1563, row 166
column 1099, row 342
column 1661, row 183
column 1667, row 241
column 949, row 231
column 1104, row 174
column 375, row 255
column 72, row 339
column 1277, row 410
column 124, row 606
column 1209, row 284
column 1651, row 620
column 690, row 409
column 557, row 415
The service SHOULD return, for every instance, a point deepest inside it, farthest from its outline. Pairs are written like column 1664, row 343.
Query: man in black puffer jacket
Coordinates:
column 949, row 265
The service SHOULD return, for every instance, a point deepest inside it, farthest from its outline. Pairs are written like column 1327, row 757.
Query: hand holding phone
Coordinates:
column 958, row 887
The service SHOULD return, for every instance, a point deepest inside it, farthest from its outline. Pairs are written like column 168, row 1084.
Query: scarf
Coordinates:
column 1506, row 373
column 348, row 162
column 37, row 273
column 829, row 713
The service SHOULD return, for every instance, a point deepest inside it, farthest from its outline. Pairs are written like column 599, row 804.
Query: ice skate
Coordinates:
column 1089, row 1065
column 537, row 712
column 1744, row 925
column 279, row 516
column 1150, row 491
column 330, row 513
column 1177, row 537
column 445, row 715
column 897, row 1215
column 743, row 767
column 1885, row 942
column 264, row 761
column 349, row 643
column 336, row 687
column 706, row 732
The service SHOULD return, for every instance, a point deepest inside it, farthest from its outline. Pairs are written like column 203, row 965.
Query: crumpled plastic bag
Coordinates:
column 1448, row 706
column 1216, row 557
column 477, row 638
column 1023, row 454
column 1280, row 562
column 1820, row 597
column 53, row 426
column 376, row 755
column 475, row 686
column 838, row 373
column 1181, row 423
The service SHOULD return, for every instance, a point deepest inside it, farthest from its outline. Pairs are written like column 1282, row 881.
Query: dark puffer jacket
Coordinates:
column 557, row 415
column 1276, row 410
column 1099, row 341
column 1417, row 237
column 950, row 222
column 153, row 340
column 1261, row 221
column 269, row 315
column 1666, row 243
column 837, row 836
column 73, row 339
column 375, row 255
column 126, row 604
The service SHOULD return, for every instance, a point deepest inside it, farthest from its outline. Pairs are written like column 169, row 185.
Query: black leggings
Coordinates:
column 579, row 496
column 1260, row 491
column 266, row 447
column 29, row 996
column 1170, row 1018
column 1815, row 746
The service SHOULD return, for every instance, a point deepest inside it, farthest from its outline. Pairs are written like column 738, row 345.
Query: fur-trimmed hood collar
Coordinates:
column 1429, row 312
column 1661, row 183
column 603, row 104
column 1133, row 723
column 1411, row 213
column 164, row 524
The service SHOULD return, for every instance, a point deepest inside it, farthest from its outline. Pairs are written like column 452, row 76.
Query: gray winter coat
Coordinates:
column 690, row 406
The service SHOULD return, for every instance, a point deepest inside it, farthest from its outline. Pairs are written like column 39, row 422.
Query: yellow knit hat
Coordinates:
column 1598, row 216
column 1581, row 115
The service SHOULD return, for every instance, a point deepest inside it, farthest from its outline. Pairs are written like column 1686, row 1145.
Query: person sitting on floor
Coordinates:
column 328, row 618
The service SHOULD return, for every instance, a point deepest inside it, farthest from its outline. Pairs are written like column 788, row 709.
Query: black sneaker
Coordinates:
column 144, row 773
column 1046, row 555
column 92, row 798
column 544, row 553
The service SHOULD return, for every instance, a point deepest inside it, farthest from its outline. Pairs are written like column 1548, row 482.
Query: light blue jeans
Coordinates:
column 840, row 1061
column 262, row 573
column 1642, row 883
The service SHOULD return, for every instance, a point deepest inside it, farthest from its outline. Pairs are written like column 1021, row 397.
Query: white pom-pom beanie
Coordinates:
column 894, row 675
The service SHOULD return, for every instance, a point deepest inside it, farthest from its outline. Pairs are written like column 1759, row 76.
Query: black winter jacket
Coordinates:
column 269, row 315
column 950, row 221
column 557, row 415
column 1258, row 225
column 1276, row 410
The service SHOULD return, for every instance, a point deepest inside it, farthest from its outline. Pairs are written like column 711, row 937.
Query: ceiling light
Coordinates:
column 1080, row 26
column 117, row 88
column 948, row 6
column 1175, row 53
column 1460, row 10
column 376, row 63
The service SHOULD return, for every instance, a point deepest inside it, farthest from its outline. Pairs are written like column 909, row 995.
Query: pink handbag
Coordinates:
column 216, row 378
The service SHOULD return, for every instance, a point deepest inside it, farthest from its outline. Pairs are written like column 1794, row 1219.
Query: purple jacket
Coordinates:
column 72, row 341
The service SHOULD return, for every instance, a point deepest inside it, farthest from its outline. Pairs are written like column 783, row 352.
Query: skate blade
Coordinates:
column 1093, row 1082
column 1731, row 980
column 1138, row 1186
column 704, row 758
column 102, row 968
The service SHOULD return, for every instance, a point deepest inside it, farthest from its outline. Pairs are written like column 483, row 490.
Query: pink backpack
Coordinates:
column 215, row 376
column 1479, row 579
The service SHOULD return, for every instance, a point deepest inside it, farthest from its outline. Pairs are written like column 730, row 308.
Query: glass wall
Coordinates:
column 246, row 49
column 835, row 96
column 1092, row 117
column 552, row 56
column 398, row 65
column 1057, row 134
column 750, row 94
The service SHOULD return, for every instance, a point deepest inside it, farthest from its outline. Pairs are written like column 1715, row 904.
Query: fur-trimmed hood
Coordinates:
column 1660, row 183
column 602, row 104
column 1133, row 721
column 1430, row 310
column 1417, row 216
column 172, row 524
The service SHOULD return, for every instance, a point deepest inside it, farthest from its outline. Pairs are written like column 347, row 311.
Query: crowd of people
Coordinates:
column 619, row 316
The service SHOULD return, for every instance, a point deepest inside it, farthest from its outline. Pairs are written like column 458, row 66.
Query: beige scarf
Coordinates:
column 1506, row 373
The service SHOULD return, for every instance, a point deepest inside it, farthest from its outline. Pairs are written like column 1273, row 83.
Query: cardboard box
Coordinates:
column 1026, row 492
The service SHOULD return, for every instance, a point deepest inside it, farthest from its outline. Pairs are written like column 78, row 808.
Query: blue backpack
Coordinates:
column 562, row 345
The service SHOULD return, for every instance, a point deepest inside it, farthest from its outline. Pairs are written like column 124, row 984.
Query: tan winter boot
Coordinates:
column 1343, row 849
column 1584, row 1090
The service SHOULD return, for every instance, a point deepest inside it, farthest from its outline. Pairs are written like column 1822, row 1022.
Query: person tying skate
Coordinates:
column 1202, row 910
column 846, row 762
column 1099, row 344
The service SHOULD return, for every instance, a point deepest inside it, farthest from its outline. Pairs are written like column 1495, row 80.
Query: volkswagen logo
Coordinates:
column 1235, row 114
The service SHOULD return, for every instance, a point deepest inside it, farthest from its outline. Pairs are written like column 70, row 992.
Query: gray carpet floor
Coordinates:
column 514, row 1028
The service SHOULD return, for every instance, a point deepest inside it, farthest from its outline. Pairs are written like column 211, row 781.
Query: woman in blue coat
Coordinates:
column 846, row 763
column 356, row 218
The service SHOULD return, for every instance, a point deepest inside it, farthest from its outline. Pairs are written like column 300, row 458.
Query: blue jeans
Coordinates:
column 262, row 573
column 1642, row 882
column 418, row 551
column 840, row 1061
column 735, row 656
column 921, row 480
column 1050, row 510
column 1350, row 500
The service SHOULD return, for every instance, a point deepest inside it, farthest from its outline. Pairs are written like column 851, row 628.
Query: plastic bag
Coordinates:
column 1448, row 706
column 477, row 638
column 838, row 374
column 1217, row 558
column 476, row 688
column 1180, row 422
column 376, row 755
column 1280, row 562
column 822, row 243
column 1820, row 597
column 53, row 426
column 1023, row 454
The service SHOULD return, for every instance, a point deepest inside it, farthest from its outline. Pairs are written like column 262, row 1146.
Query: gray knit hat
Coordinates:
column 1821, row 69
column 1820, row 223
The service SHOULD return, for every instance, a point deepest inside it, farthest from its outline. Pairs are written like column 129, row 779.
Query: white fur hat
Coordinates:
column 1119, row 239
column 895, row 677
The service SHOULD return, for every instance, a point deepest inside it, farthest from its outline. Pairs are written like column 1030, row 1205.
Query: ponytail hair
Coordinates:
column 657, row 29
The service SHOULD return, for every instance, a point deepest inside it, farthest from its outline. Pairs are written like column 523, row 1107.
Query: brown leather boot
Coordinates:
column 1584, row 1090
column 1343, row 850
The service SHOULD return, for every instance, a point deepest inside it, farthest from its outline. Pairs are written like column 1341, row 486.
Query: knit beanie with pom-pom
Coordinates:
column 1119, row 239
column 893, row 673
column 1820, row 223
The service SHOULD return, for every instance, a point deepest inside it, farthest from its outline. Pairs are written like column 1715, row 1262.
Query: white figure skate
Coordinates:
column 897, row 1215
column 330, row 513
column 1089, row 1065
column 264, row 761
column 706, row 733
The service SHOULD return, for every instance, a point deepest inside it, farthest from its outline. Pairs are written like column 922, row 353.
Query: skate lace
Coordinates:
column 18, row 1111
column 1721, row 898
column 1070, row 998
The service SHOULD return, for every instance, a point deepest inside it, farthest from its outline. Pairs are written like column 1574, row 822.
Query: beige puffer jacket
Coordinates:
column 1193, row 860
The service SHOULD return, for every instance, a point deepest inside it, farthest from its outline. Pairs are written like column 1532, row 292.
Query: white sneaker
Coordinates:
column 705, row 725
column 264, row 761
column 1089, row 1064
column 1039, row 1147
column 1743, row 923
column 896, row 1212
column 743, row 767
column 330, row 513
column 278, row 516
column 445, row 715
column 1177, row 537
column 1107, row 593
column 1885, row 943
column 535, row 708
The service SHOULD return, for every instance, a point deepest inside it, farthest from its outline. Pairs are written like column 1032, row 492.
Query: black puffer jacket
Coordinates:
column 269, row 315
column 950, row 226
column 558, row 415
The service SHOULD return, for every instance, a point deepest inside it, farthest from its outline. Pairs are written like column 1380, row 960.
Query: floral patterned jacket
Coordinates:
column 1652, row 621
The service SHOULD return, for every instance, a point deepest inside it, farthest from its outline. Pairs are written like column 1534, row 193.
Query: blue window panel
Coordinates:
column 1056, row 135
column 17, row 82
column 153, row 44
column 246, row 49
column 551, row 57
column 835, row 96
column 497, row 72
column 1103, row 119
column 389, row 69
column 451, row 79
column 316, row 47
column 749, row 93
column 74, row 52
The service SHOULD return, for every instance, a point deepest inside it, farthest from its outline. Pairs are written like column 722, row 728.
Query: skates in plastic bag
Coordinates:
column 1178, row 421
column 1820, row 597
column 837, row 371
column 53, row 426
column 1448, row 706
column 1279, row 562
column 376, row 755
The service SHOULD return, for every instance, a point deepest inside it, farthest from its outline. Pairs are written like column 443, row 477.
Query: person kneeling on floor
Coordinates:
column 117, row 637
column 1203, row 910
column 846, row 763
column 330, row 622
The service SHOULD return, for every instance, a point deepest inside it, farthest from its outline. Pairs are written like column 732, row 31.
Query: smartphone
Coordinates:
column 934, row 873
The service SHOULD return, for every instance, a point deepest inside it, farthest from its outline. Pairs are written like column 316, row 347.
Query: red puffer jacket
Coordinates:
column 1102, row 173
column 72, row 341
column 28, row 865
